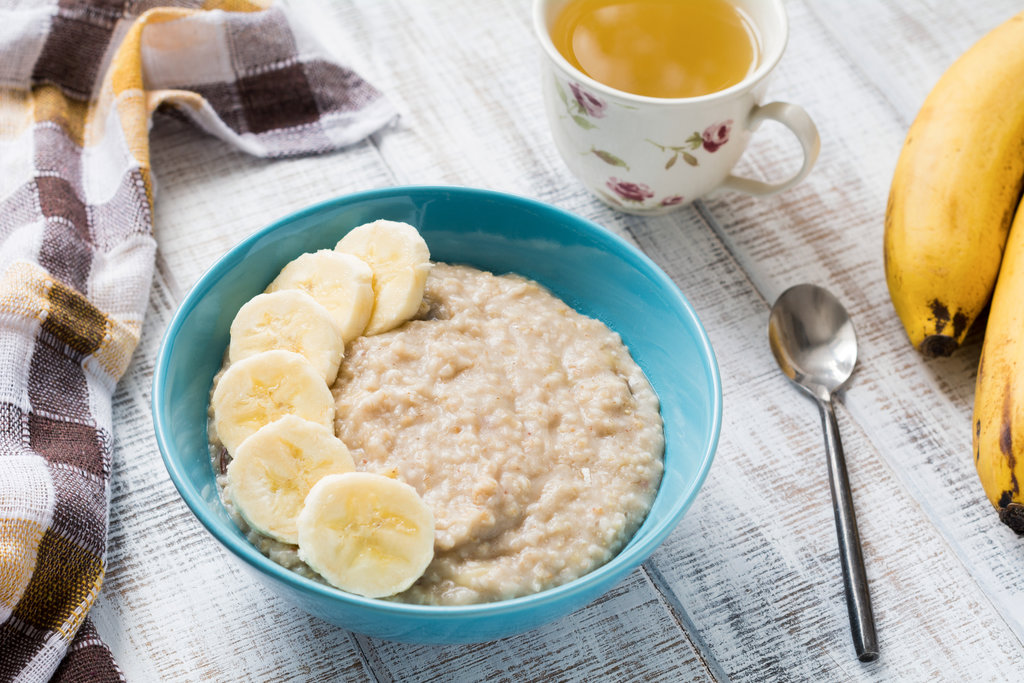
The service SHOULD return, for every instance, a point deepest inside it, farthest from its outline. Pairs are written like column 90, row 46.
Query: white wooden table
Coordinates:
column 748, row 586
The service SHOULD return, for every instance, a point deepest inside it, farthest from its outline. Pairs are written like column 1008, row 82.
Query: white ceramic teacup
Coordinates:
column 649, row 155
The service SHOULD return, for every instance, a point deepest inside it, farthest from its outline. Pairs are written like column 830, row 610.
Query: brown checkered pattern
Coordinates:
column 76, row 257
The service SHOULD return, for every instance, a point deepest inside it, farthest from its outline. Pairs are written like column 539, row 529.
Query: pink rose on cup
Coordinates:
column 631, row 192
column 716, row 135
column 592, row 106
column 673, row 200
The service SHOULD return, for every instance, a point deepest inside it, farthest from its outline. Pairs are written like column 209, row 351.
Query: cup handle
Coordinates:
column 795, row 118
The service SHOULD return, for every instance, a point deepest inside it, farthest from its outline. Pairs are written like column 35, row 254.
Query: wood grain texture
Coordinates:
column 627, row 634
column 748, row 586
column 915, row 411
column 755, row 562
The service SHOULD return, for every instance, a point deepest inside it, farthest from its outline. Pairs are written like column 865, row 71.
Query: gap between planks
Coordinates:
column 716, row 227
column 856, row 66
column 373, row 665
column 686, row 624
column 657, row 580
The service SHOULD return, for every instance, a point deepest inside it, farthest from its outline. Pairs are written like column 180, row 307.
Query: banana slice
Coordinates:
column 400, row 261
column 366, row 534
column 274, row 469
column 341, row 283
column 259, row 389
column 291, row 320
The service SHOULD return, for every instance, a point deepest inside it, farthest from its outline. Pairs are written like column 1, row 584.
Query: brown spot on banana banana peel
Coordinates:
column 1006, row 438
column 1010, row 513
column 940, row 313
column 960, row 322
column 1006, row 443
column 1013, row 516
column 938, row 344
column 977, row 439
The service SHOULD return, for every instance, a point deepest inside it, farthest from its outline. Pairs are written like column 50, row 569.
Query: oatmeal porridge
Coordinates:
column 527, row 428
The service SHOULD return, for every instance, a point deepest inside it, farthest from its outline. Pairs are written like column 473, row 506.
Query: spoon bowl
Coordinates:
column 813, row 339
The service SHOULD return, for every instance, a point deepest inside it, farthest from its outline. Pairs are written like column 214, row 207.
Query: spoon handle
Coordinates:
column 858, row 601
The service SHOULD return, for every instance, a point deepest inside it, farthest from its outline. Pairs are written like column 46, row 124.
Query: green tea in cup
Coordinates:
column 658, row 48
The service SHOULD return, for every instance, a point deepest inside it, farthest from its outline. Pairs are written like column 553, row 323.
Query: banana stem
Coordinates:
column 858, row 600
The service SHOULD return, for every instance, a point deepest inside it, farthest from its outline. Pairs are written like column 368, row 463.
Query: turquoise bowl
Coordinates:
column 594, row 271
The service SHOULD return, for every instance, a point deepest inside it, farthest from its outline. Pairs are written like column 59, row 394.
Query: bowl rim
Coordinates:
column 631, row 555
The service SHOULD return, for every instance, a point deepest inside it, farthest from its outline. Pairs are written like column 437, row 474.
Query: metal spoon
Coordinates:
column 815, row 345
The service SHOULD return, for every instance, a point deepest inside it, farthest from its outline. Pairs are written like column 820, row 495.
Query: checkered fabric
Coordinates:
column 79, row 82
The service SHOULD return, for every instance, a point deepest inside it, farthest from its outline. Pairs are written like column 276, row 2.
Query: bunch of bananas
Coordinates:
column 954, row 240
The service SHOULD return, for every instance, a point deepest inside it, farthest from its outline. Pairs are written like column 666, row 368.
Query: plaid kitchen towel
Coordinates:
column 79, row 81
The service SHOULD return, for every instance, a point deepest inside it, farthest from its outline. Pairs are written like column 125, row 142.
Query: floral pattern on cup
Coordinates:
column 582, row 106
column 588, row 102
column 679, row 151
column 607, row 157
column 586, row 109
column 716, row 135
column 713, row 137
column 634, row 196
column 630, row 191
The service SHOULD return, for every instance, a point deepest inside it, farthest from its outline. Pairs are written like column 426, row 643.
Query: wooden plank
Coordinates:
column 755, row 562
column 465, row 78
column 627, row 634
column 921, row 409
column 919, row 501
column 901, row 48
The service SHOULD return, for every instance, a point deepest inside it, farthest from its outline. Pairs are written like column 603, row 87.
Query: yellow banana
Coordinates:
column 999, row 393
column 954, row 192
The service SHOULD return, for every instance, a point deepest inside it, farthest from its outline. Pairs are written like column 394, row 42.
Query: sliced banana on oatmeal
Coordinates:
column 291, row 320
column 341, row 283
column 260, row 389
column 400, row 261
column 274, row 469
column 366, row 533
